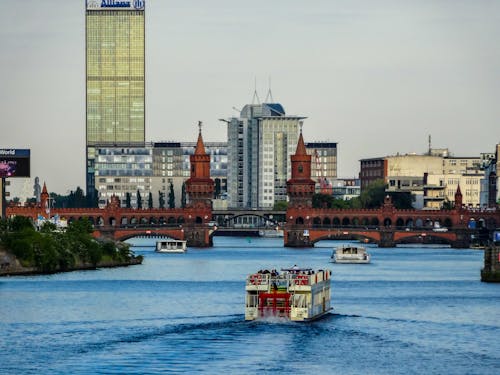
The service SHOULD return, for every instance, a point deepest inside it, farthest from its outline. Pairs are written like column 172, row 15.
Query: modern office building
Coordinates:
column 323, row 165
column 432, row 178
column 151, row 169
column 115, row 70
column 259, row 145
column 122, row 170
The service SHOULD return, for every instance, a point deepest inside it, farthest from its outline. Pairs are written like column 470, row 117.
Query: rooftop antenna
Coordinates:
column 269, row 96
column 255, row 96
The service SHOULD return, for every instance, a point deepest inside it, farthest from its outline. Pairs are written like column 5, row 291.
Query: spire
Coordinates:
column 458, row 198
column 255, row 95
column 44, row 189
column 269, row 96
column 301, row 147
column 200, row 147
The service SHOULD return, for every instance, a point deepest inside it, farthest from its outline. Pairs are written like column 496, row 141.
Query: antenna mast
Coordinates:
column 255, row 96
column 269, row 96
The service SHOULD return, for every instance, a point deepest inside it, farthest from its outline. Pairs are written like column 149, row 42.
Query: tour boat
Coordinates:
column 295, row 294
column 171, row 246
column 350, row 254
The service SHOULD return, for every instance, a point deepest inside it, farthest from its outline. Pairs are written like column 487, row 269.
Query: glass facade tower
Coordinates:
column 115, row 84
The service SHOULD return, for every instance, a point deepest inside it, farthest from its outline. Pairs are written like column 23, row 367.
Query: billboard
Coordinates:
column 14, row 163
column 115, row 4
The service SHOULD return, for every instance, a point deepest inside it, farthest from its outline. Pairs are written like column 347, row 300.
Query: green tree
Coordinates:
column 217, row 189
column 150, row 200
column 373, row 196
column 161, row 199
column 171, row 196
column 128, row 200
column 183, row 195
column 139, row 199
column 280, row 206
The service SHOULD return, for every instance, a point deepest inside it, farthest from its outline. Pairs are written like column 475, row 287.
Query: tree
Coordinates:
column 183, row 195
column 373, row 196
column 171, row 196
column 139, row 199
column 217, row 189
column 150, row 200
column 128, row 199
column 280, row 206
column 161, row 199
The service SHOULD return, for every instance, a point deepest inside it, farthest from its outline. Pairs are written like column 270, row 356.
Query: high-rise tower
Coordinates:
column 259, row 144
column 115, row 96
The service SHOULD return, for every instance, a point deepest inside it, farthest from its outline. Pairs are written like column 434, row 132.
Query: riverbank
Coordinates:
column 11, row 266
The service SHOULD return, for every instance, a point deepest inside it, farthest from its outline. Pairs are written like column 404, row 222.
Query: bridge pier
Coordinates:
column 197, row 236
column 297, row 238
column 491, row 271
column 462, row 239
column 387, row 238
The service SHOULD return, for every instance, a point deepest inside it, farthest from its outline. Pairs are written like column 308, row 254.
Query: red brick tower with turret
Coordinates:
column 200, row 187
column 300, row 188
column 458, row 198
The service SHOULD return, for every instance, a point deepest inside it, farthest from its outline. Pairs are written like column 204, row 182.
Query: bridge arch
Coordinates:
column 346, row 221
column 299, row 220
column 316, row 221
column 374, row 221
column 326, row 222
column 387, row 222
column 400, row 222
column 171, row 220
column 336, row 222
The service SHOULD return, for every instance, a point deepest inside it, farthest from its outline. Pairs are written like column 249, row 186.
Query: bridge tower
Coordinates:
column 200, row 187
column 200, row 191
column 458, row 199
column 300, row 189
column 44, row 198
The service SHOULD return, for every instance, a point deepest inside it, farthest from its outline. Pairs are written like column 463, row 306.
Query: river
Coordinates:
column 413, row 310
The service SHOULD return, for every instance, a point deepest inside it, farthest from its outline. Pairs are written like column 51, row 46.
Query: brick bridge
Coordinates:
column 304, row 226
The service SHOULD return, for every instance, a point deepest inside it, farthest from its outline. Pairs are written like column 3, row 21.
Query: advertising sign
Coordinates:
column 115, row 4
column 14, row 163
column 496, row 236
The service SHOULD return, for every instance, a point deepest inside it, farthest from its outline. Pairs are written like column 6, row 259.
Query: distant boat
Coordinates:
column 171, row 246
column 296, row 294
column 272, row 233
column 350, row 254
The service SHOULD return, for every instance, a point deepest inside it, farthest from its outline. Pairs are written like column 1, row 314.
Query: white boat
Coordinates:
column 272, row 233
column 171, row 246
column 292, row 294
column 350, row 254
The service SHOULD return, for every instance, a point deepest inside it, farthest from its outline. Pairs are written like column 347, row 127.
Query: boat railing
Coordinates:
column 288, row 279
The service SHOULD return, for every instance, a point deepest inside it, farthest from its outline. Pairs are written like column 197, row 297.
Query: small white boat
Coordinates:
column 171, row 246
column 295, row 294
column 271, row 233
column 350, row 254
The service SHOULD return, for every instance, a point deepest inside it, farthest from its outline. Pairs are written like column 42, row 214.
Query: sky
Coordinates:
column 376, row 76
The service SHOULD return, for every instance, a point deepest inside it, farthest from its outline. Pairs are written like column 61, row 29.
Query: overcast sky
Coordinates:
column 377, row 77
